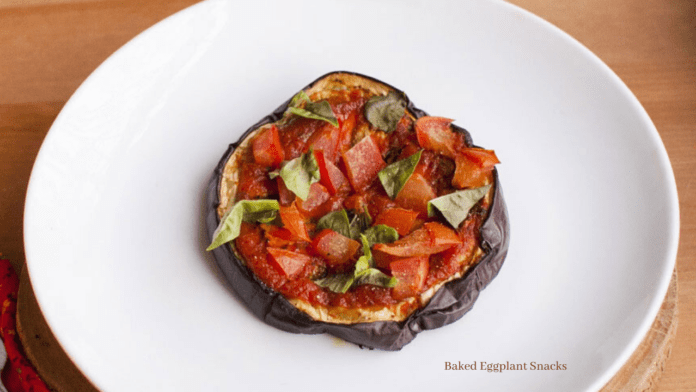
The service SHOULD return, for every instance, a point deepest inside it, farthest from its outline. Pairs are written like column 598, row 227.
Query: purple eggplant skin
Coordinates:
column 448, row 305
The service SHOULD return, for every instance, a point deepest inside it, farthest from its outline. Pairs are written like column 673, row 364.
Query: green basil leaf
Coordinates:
column 384, row 112
column 260, row 216
column 359, row 224
column 365, row 261
column 381, row 234
column 394, row 176
column 339, row 283
column 336, row 221
column 315, row 110
column 455, row 206
column 300, row 173
column 244, row 210
column 300, row 97
column 375, row 277
column 364, row 273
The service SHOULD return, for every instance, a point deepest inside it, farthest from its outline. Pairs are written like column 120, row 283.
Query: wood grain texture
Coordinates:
column 42, row 348
column 48, row 47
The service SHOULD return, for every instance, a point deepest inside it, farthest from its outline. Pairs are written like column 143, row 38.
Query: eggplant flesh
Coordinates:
column 449, row 303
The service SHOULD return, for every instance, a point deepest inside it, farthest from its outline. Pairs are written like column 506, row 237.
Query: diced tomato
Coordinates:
column 410, row 274
column 417, row 243
column 267, row 149
column 441, row 235
column 346, row 135
column 311, row 207
column 291, row 263
column 278, row 237
column 295, row 133
column 325, row 139
column 473, row 168
column 416, row 194
column 254, row 182
column 382, row 260
column 399, row 218
column 294, row 221
column 435, row 133
column 334, row 247
column 363, row 161
column 285, row 195
column 331, row 176
column 483, row 158
column 334, row 203
column 430, row 239
column 378, row 201
column 355, row 202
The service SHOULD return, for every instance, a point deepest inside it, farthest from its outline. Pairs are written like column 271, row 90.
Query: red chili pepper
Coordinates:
column 19, row 375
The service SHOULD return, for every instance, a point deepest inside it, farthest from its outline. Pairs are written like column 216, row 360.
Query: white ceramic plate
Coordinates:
column 114, row 214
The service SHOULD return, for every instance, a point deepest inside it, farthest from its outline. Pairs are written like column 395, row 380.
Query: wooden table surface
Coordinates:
column 48, row 47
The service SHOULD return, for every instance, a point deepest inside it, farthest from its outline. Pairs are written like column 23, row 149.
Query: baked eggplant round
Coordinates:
column 389, row 304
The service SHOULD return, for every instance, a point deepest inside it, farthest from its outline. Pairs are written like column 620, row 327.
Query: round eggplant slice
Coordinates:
column 448, row 304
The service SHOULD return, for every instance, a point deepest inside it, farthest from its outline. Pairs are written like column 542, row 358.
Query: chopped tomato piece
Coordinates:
column 295, row 133
column 430, row 239
column 363, row 161
column 325, row 139
column 285, row 195
column 435, row 133
column 382, row 260
column 399, row 218
column 291, row 263
column 441, row 235
column 416, row 194
column 294, row 221
column 334, row 203
column 331, row 176
column 334, row 247
column 278, row 237
column 378, row 202
column 410, row 274
column 318, row 195
column 267, row 148
column 417, row 243
column 483, row 158
column 346, row 135
column 473, row 168
column 355, row 202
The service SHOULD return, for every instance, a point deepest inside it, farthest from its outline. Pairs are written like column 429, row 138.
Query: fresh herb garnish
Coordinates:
column 300, row 173
column 315, row 110
column 381, row 234
column 336, row 221
column 395, row 176
column 262, row 210
column 363, row 273
column 455, row 206
column 360, row 222
column 385, row 111
column 339, row 283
